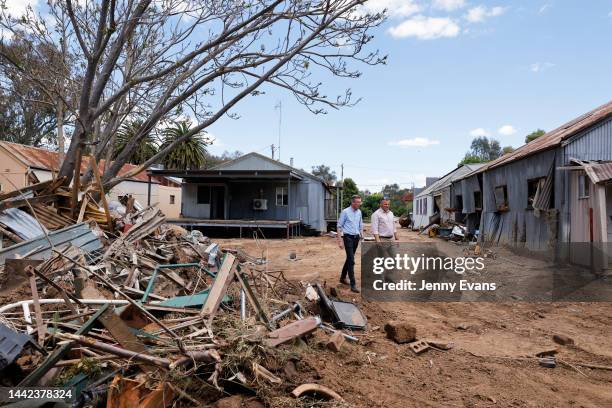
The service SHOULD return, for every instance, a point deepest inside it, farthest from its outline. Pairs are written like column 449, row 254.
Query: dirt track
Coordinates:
column 486, row 367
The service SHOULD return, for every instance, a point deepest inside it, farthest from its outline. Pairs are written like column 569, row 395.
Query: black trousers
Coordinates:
column 351, row 242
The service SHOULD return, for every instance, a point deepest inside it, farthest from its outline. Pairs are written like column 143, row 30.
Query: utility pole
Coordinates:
column 279, row 106
column 342, row 178
column 272, row 151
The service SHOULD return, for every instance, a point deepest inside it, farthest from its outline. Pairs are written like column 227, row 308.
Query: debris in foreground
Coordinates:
column 131, row 311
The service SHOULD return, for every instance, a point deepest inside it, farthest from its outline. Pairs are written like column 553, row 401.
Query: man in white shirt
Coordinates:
column 383, row 223
column 382, row 226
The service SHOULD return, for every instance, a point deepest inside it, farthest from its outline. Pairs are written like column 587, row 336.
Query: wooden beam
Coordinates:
column 219, row 287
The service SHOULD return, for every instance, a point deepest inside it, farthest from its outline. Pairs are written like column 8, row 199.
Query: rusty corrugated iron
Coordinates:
column 43, row 159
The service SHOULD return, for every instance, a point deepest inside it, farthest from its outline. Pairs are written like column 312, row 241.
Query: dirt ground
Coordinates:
column 491, row 363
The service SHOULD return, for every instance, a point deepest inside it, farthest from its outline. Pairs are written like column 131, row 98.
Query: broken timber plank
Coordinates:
column 219, row 287
column 121, row 332
column 292, row 330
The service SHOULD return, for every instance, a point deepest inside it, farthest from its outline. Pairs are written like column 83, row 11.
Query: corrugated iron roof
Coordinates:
column 22, row 223
column 552, row 138
column 39, row 158
column 603, row 171
column 446, row 180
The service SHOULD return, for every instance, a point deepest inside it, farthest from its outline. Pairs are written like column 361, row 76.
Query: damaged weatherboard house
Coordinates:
column 254, row 192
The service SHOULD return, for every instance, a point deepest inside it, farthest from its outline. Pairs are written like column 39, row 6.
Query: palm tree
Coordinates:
column 190, row 154
column 146, row 149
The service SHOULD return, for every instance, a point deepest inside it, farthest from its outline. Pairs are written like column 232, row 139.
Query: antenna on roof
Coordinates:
column 279, row 106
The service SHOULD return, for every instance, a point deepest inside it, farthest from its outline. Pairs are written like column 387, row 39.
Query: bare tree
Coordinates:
column 155, row 60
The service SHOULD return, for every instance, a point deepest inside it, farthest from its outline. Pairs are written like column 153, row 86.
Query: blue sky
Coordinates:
column 456, row 69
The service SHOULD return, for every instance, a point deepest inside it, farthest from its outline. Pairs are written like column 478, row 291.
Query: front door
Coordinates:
column 217, row 210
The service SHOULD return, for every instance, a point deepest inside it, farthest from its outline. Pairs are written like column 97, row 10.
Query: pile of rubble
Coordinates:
column 152, row 316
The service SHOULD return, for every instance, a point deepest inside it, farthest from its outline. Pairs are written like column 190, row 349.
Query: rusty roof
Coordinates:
column 43, row 159
column 553, row 138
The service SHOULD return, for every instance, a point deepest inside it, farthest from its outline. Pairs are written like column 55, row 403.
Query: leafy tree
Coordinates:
column 482, row 150
column 189, row 154
column 508, row 149
column 324, row 172
column 534, row 135
column 370, row 204
column 159, row 59
column 27, row 108
column 146, row 148
column 349, row 189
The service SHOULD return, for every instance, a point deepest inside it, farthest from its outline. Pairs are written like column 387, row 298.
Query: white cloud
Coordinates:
column 507, row 130
column 448, row 5
column 479, row 14
column 540, row 66
column 17, row 8
column 426, row 28
column 395, row 8
column 479, row 132
column 415, row 142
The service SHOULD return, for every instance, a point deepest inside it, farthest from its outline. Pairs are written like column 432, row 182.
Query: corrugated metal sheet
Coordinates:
column 79, row 235
column 592, row 144
column 603, row 172
column 21, row 223
column 517, row 226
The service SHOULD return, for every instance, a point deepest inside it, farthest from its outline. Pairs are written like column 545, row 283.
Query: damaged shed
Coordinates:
column 529, row 200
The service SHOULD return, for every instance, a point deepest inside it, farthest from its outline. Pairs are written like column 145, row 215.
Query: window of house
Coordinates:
column 459, row 203
column 171, row 199
column 584, row 187
column 203, row 194
column 478, row 200
column 532, row 189
column 282, row 197
column 501, row 198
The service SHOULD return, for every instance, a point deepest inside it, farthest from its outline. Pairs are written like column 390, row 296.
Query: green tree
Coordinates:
column 349, row 189
column 370, row 204
column 508, row 149
column 482, row 150
column 189, row 154
column 534, row 135
column 147, row 147
column 324, row 172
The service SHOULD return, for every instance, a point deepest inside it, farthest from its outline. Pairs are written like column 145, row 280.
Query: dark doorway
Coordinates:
column 217, row 210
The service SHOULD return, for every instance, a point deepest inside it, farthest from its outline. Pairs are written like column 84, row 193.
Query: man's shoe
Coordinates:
column 354, row 289
column 344, row 282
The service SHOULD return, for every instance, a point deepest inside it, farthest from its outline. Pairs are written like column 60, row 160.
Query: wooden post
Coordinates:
column 288, row 205
column 149, row 192
column 96, row 171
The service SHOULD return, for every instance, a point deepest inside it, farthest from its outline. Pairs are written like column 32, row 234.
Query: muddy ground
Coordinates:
column 491, row 363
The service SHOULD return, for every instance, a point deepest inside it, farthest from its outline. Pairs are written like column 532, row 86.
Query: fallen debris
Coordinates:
column 400, row 332
column 131, row 311
column 562, row 339
column 316, row 389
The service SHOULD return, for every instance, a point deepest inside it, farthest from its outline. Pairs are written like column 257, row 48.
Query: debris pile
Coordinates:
column 126, row 310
